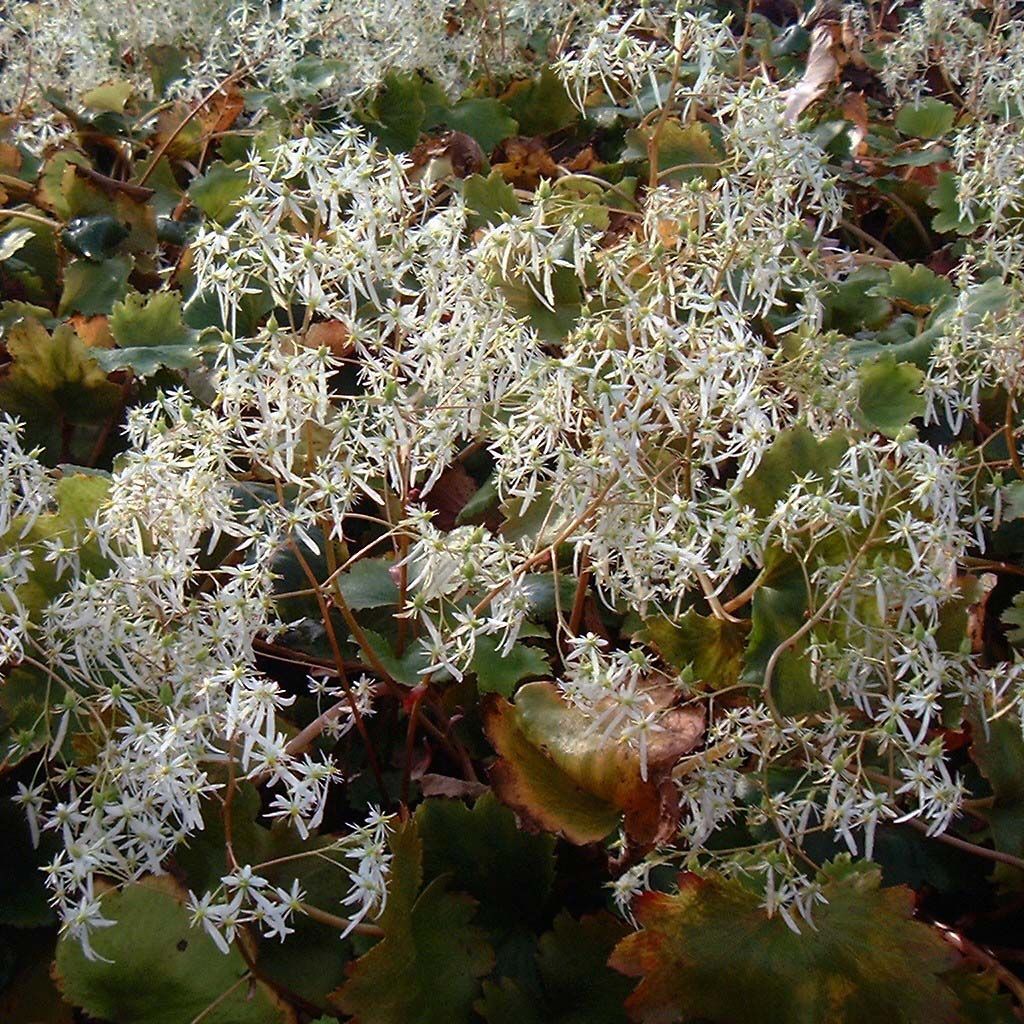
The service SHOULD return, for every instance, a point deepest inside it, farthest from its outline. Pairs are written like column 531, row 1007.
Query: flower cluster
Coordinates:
column 641, row 369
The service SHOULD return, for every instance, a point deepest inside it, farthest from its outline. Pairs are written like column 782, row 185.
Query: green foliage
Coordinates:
column 890, row 395
column 396, row 113
column 795, row 453
column 508, row 872
column 158, row 970
column 92, row 288
column 484, row 119
column 488, row 198
column 496, row 912
column 500, row 673
column 710, row 647
column 576, row 984
column 949, row 216
column 927, row 119
column 541, row 106
column 217, row 190
column 150, row 335
column 711, row 953
column 53, row 381
column 778, row 611
column 684, row 152
column 428, row 964
column 369, row 584
column 96, row 237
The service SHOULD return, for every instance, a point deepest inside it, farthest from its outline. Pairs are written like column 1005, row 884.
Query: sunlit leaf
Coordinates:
column 890, row 395
column 150, row 335
column 487, row 199
column 563, row 776
column 926, row 119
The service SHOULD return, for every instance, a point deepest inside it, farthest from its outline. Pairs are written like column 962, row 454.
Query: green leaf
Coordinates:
column 577, row 987
column 311, row 962
column 850, row 306
column 96, row 237
column 710, row 952
column 501, row 674
column 795, row 453
column 161, row 970
column 407, row 668
column 428, row 965
column 13, row 241
column 486, row 120
column 51, row 181
column 684, row 151
column 711, row 647
column 25, row 705
column 541, row 106
column 1014, row 617
column 483, row 500
column 778, row 610
column 488, row 200
column 539, row 588
column 890, row 395
column 919, row 287
column 998, row 750
column 111, row 96
column 314, row 74
column 217, row 190
column 79, row 496
column 166, row 64
column 150, row 335
column 554, row 319
column 93, row 288
column 369, row 584
column 507, row 870
column 927, row 119
column 980, row 999
column 949, row 216
column 397, row 111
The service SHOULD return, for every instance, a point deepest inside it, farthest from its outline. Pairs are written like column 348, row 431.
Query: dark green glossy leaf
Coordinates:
column 95, row 238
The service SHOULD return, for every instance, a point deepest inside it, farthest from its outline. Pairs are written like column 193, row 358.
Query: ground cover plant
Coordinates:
column 511, row 511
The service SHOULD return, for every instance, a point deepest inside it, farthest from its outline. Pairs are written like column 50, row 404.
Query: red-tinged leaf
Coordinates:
column 561, row 776
column 710, row 952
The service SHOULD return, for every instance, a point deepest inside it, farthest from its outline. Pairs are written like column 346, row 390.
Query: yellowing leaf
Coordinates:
column 711, row 953
column 565, row 777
